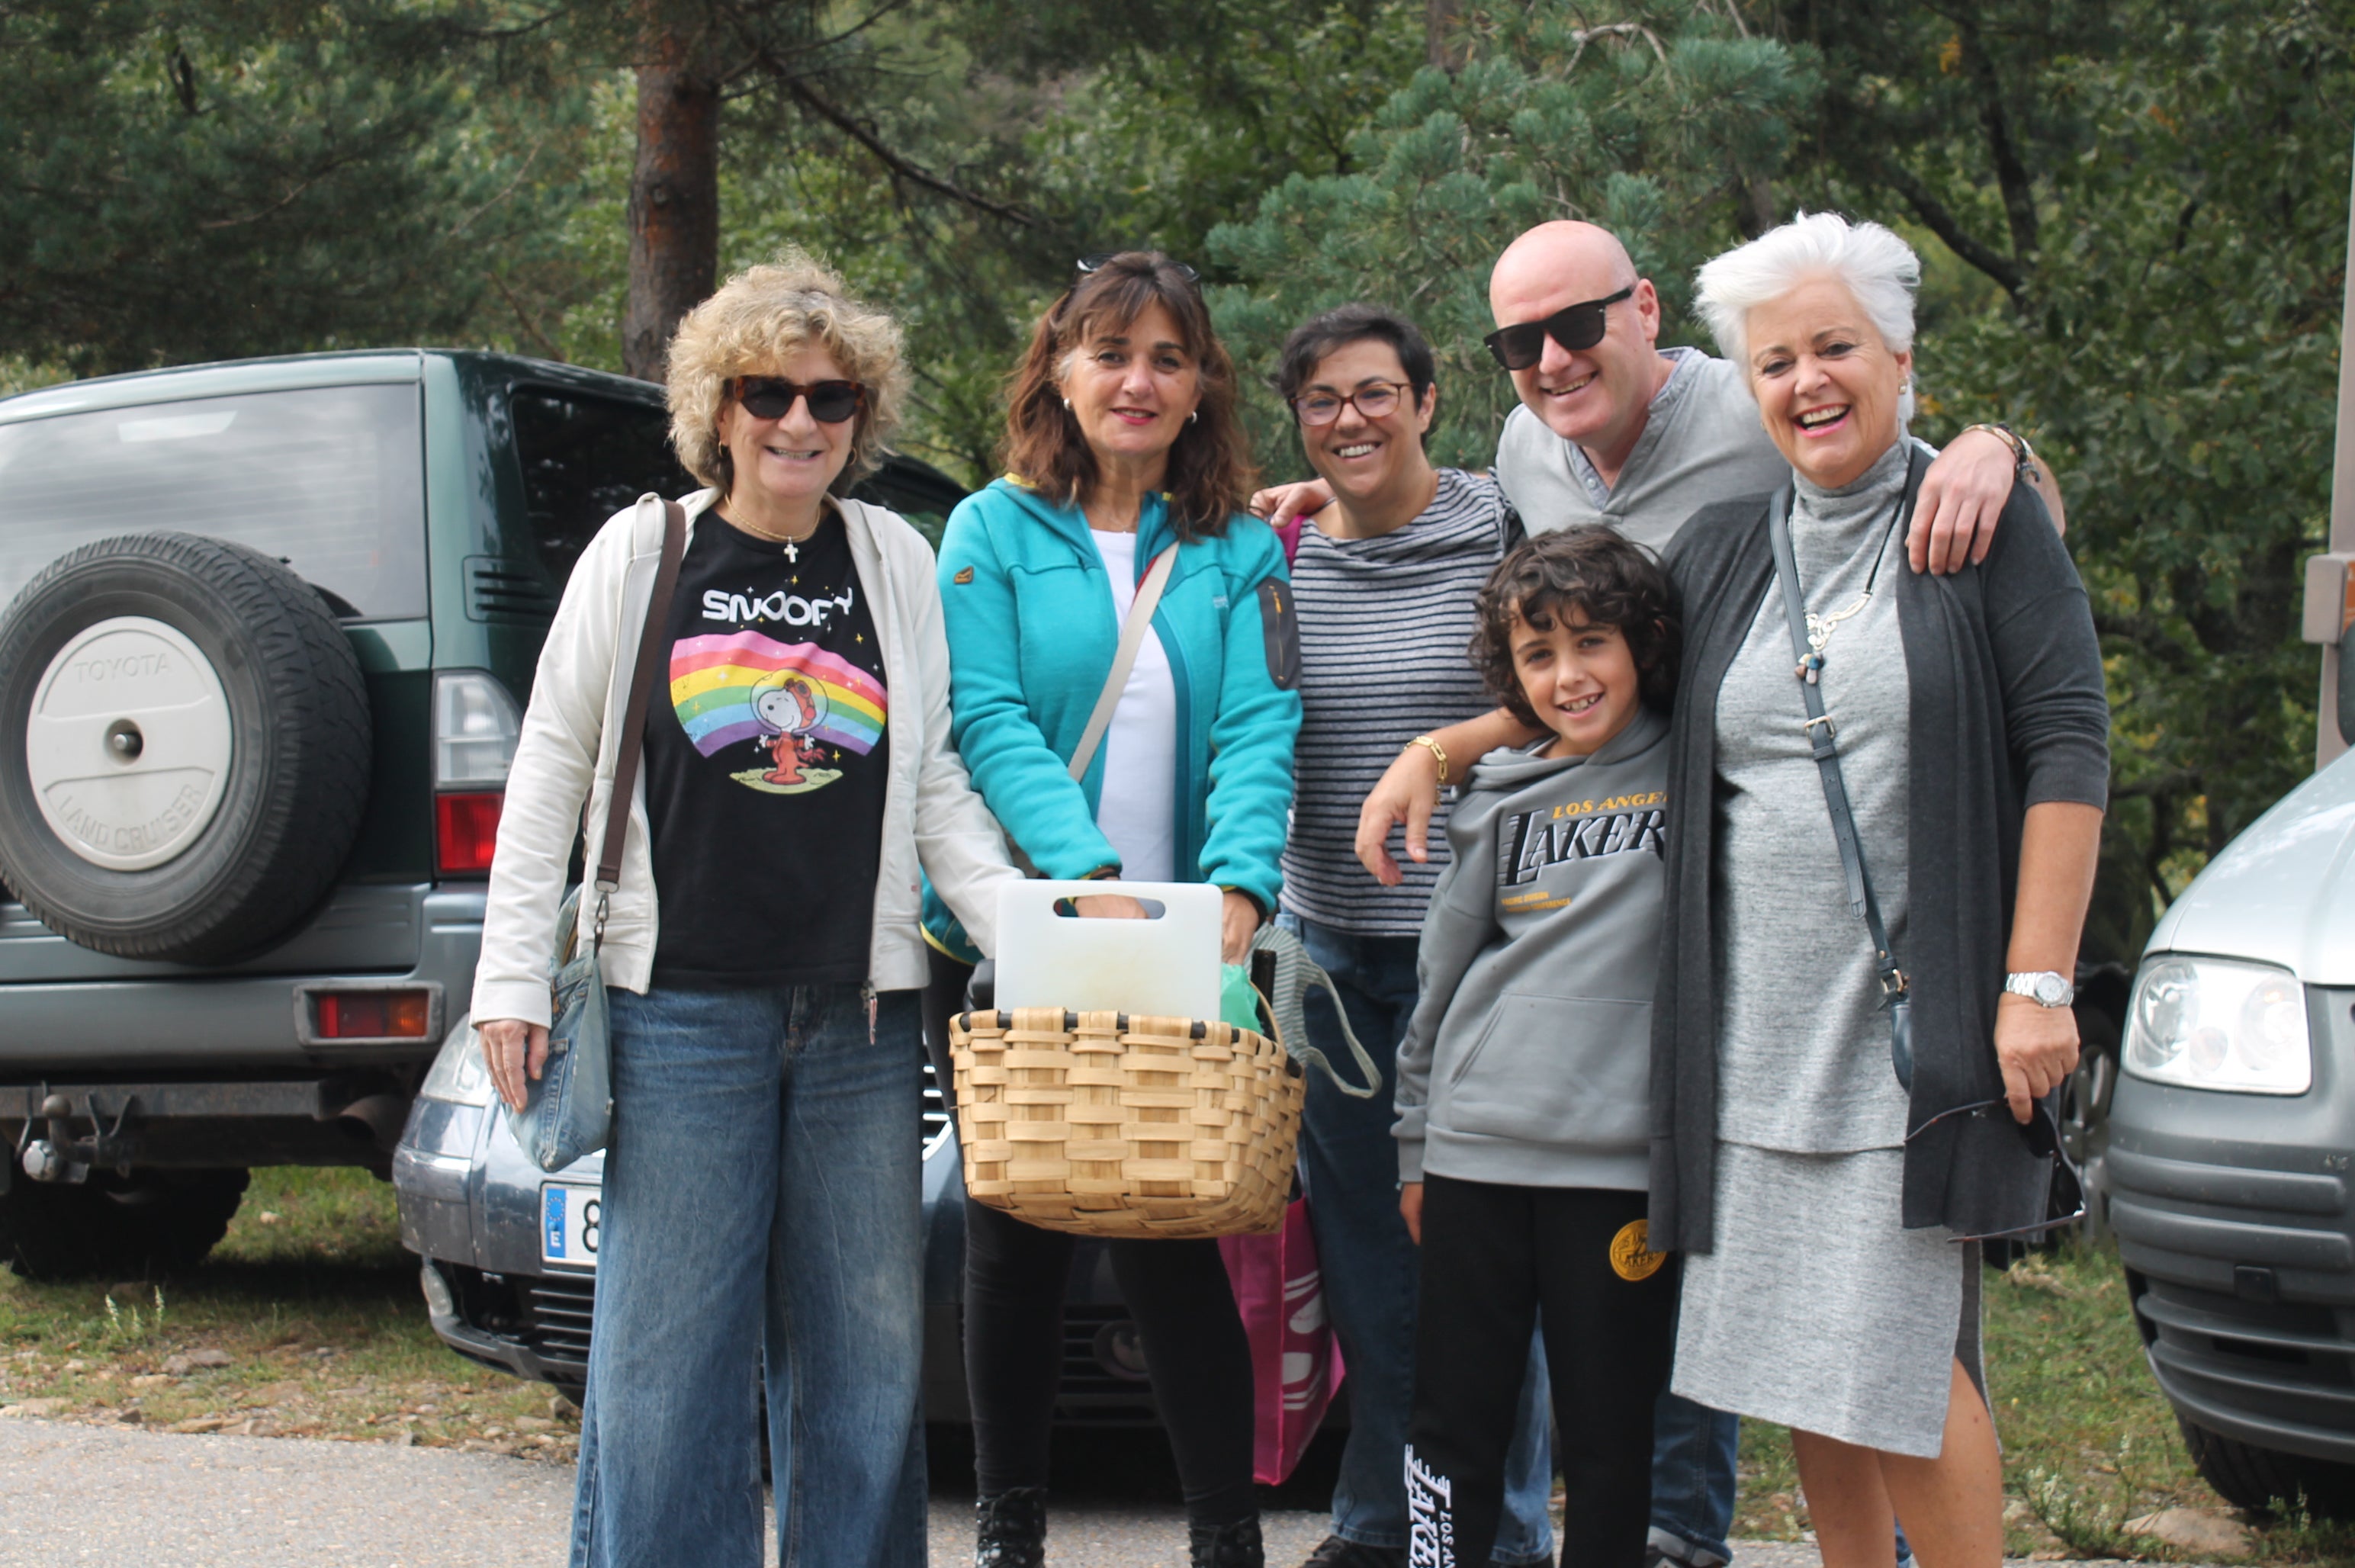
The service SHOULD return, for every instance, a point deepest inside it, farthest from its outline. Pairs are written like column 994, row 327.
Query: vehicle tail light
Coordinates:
column 475, row 728
column 374, row 1015
column 466, row 831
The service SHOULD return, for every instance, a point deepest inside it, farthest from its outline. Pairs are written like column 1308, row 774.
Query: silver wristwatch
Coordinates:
column 2042, row 986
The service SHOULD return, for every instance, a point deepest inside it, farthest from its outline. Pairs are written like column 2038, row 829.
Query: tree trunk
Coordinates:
column 1440, row 45
column 674, row 211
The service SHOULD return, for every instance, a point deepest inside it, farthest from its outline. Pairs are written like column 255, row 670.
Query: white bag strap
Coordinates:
column 1123, row 658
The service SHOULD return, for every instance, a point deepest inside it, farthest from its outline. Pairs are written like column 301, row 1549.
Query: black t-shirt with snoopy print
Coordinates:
column 766, row 763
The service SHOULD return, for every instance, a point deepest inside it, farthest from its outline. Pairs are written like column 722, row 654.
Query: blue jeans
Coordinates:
column 1349, row 1163
column 761, row 1195
column 1693, row 1452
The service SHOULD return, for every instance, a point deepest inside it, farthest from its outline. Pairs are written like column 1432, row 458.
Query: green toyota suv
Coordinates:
column 269, row 627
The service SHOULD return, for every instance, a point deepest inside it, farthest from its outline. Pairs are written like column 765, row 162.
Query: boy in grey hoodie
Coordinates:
column 1522, row 1127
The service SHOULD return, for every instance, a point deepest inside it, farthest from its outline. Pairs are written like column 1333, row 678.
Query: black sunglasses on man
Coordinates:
column 1577, row 327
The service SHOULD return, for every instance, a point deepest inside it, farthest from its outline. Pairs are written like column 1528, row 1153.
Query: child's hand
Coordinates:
column 1410, row 1210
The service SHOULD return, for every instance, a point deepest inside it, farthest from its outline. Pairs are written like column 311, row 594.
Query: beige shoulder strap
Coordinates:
column 1123, row 659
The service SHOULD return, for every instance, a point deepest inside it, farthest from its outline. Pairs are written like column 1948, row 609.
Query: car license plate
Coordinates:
column 569, row 1220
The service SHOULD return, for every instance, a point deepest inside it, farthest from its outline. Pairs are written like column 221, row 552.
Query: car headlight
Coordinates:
column 459, row 1074
column 2212, row 1023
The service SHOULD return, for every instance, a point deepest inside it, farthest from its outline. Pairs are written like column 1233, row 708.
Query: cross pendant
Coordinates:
column 792, row 552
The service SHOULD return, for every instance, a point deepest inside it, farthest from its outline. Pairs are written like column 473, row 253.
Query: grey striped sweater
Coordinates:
column 1384, row 623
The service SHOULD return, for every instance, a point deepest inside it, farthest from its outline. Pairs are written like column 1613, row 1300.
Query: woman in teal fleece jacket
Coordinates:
column 1031, row 633
column 1123, row 444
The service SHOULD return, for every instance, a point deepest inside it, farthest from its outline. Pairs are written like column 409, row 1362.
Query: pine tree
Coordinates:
column 1661, row 122
column 182, row 182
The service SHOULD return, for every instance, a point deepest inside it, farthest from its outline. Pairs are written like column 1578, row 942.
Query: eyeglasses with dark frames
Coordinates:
column 1375, row 400
column 772, row 398
column 1577, row 327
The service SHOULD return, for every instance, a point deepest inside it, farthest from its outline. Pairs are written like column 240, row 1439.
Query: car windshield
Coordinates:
column 331, row 480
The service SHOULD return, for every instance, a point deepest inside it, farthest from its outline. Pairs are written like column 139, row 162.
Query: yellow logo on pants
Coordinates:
column 1631, row 1257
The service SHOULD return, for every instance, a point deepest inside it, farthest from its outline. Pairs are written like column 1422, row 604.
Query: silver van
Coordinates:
column 2231, row 1135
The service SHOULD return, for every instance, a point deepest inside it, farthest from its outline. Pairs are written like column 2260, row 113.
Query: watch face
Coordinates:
column 2050, row 989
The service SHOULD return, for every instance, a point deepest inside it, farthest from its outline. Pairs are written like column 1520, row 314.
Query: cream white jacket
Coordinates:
column 931, row 817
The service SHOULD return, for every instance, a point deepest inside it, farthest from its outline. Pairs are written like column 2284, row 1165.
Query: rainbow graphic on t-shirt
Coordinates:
column 717, row 684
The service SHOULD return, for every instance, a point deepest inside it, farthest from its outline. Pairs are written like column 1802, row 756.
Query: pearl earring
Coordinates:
column 1193, row 416
column 1067, row 405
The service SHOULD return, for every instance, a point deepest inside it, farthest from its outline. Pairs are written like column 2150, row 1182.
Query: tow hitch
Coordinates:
column 62, row 1156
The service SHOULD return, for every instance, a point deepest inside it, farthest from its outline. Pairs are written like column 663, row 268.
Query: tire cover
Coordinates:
column 184, row 748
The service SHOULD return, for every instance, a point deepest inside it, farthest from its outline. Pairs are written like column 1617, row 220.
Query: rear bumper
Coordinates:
column 2233, row 1216
column 349, row 1118
column 68, row 1013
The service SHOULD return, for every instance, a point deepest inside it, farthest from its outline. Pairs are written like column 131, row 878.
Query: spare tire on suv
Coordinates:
column 184, row 748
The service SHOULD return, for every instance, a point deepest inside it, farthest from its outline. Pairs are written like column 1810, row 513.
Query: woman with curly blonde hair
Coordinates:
column 763, row 951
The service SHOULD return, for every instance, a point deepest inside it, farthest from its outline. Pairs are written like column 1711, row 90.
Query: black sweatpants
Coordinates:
column 1494, row 1259
column 1016, row 1278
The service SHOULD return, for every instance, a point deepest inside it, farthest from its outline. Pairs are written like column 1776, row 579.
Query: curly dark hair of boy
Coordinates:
column 1585, row 573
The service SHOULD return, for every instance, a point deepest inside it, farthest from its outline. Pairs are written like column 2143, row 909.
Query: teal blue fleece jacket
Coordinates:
column 1032, row 636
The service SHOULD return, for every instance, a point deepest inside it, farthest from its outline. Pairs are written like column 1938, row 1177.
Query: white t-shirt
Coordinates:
column 1138, row 808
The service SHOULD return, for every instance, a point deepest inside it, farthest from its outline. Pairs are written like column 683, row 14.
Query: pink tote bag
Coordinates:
column 1295, row 1361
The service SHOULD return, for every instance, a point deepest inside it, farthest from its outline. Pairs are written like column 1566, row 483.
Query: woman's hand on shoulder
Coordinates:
column 2036, row 1046
column 511, row 1050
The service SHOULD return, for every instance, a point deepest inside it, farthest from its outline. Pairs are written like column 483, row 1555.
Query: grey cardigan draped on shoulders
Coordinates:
column 2007, row 709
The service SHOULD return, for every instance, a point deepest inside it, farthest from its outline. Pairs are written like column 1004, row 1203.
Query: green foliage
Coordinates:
column 190, row 181
column 2157, row 195
column 1652, row 120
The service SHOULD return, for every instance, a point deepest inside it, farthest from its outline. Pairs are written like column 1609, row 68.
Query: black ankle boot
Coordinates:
column 1010, row 1529
column 1233, row 1545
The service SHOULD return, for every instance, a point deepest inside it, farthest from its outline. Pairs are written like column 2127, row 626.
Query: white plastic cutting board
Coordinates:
column 1168, row 967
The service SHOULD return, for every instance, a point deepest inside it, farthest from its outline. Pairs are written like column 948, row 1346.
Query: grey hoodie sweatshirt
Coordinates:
column 1529, row 1058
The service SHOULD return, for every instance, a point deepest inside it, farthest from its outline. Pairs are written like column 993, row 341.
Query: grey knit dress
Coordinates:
column 1815, row 1308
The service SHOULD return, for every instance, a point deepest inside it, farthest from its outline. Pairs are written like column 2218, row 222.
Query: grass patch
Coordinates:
column 305, row 1321
column 2089, row 1442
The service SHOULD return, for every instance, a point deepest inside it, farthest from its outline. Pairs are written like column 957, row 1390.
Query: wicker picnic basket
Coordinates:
column 1109, row 1125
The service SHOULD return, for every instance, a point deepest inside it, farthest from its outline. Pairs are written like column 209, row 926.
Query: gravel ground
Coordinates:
column 87, row 1494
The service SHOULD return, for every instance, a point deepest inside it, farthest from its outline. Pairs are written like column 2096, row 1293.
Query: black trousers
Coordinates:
column 1494, row 1260
column 1016, row 1278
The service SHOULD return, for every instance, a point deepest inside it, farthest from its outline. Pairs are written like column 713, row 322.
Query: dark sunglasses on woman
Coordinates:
column 772, row 398
column 1577, row 327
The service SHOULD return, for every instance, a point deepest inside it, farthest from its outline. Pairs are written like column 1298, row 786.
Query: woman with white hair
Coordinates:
column 1816, row 1171
column 761, row 1204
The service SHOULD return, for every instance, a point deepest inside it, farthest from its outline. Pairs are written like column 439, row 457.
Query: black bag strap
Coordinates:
column 634, row 716
column 1823, row 738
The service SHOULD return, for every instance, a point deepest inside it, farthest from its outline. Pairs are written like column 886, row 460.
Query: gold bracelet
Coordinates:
column 1437, row 751
column 2023, row 456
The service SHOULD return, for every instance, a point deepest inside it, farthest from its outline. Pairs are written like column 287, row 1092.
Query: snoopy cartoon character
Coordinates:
column 788, row 711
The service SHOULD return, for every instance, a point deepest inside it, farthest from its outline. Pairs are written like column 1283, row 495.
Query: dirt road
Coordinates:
column 72, row 1494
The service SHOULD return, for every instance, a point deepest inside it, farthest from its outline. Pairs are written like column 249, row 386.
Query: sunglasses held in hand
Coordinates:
column 772, row 398
column 1519, row 345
